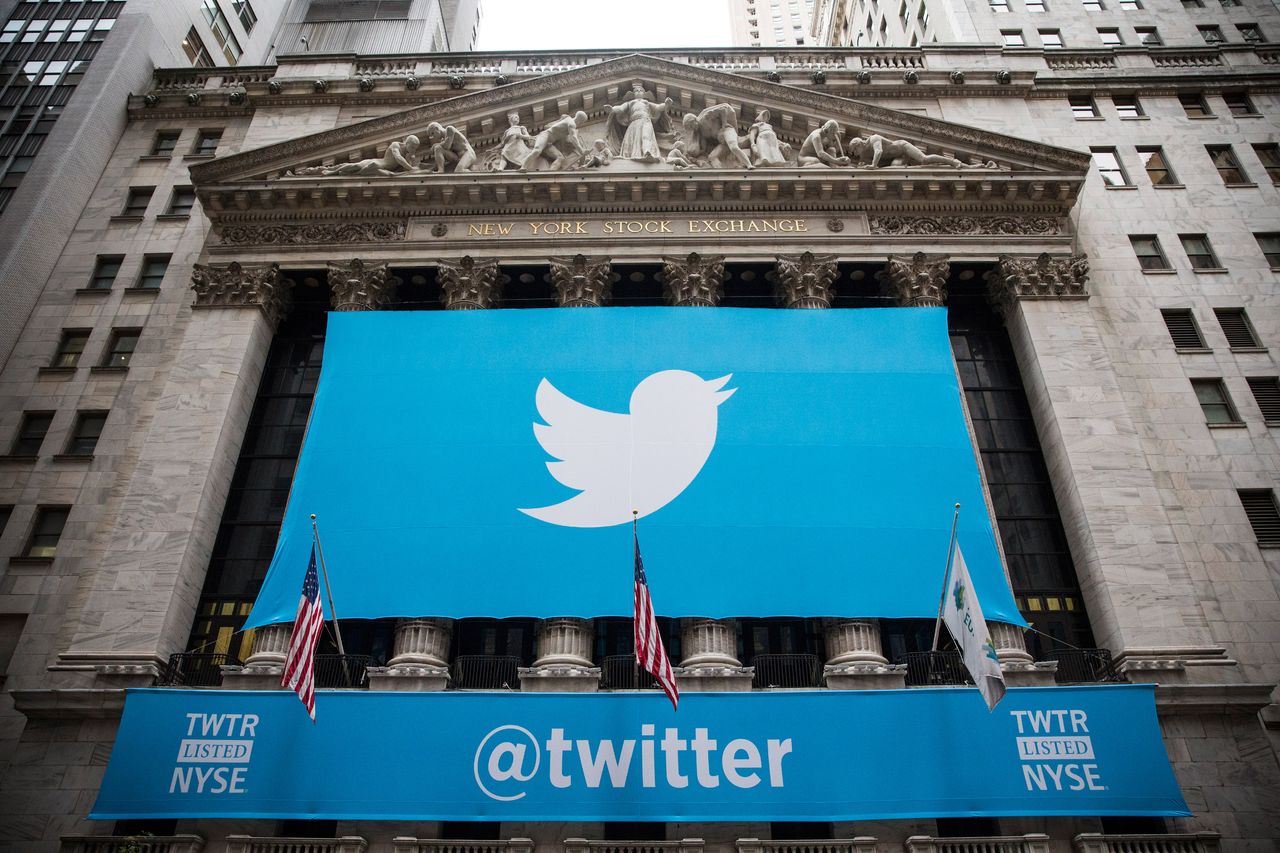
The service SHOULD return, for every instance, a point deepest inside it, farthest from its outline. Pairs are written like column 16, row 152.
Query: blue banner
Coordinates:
column 812, row 755
column 783, row 463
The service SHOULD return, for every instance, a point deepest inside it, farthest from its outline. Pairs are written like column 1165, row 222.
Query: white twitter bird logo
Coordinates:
column 620, row 463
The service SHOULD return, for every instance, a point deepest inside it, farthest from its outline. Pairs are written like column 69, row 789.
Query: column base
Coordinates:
column 1029, row 674
column 865, row 676
column 714, row 679
column 404, row 678
column 556, row 678
column 252, row 677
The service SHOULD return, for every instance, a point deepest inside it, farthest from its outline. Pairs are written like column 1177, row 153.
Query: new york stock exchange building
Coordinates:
column 916, row 289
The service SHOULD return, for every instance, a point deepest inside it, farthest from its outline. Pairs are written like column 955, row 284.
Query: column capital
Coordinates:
column 468, row 284
column 919, row 280
column 695, row 281
column 582, row 282
column 359, row 286
column 805, row 280
column 1041, row 277
column 234, row 286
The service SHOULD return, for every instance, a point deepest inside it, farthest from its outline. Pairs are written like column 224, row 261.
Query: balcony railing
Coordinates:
column 621, row 672
column 190, row 669
column 260, row 844
column 1185, row 842
column 342, row 672
column 485, row 672
column 684, row 845
column 132, row 844
column 926, row 669
column 1032, row 842
column 1084, row 666
column 786, row 671
column 858, row 844
column 406, row 844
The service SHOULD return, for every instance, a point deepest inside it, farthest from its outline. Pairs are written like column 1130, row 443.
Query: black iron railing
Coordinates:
column 194, row 669
column 786, row 671
column 342, row 672
column 621, row 672
column 485, row 672
column 932, row 668
column 1084, row 666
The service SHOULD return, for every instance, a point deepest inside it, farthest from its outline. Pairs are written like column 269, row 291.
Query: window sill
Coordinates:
column 1121, row 187
column 17, row 459
column 1245, row 186
column 1135, row 118
column 1160, row 272
column 92, row 291
column 1209, row 270
column 72, row 457
column 141, row 291
column 1246, row 115
column 31, row 561
column 1231, row 425
column 1168, row 186
column 1192, row 350
column 105, row 368
column 155, row 158
column 173, row 217
column 1248, row 349
column 57, row 371
column 198, row 156
column 1202, row 118
column 1089, row 118
column 125, row 219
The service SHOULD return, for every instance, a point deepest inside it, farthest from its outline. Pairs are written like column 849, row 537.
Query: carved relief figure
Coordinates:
column 399, row 157
column 599, row 155
column 875, row 151
column 676, row 157
column 634, row 125
column 516, row 142
column 713, row 133
column 822, row 147
column 766, row 148
column 548, row 146
column 450, row 148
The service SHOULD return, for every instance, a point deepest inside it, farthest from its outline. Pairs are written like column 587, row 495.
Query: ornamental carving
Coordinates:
column 1038, row 226
column 313, row 233
column 359, row 286
column 806, row 280
column 581, row 282
column 469, row 284
column 694, row 281
column 1042, row 277
column 918, row 281
column 234, row 286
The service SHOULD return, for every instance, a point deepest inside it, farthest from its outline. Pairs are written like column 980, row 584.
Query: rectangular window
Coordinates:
column 1109, row 167
column 1264, row 517
column 1092, row 5
column 120, row 352
column 221, row 30
column 207, row 141
column 153, row 270
column 1051, row 38
column 1266, row 391
column 181, row 202
column 6, row 512
column 105, row 271
column 50, row 520
column 1193, row 4
column 135, row 204
column 1237, row 329
column 1013, row 38
column 1238, row 104
column 1250, row 32
column 1149, row 36
column 1110, row 36
column 85, row 434
column 1157, row 166
column 1194, row 105
column 1035, row 5
column 1214, row 402
column 999, row 5
column 70, row 348
column 165, row 143
column 1211, row 34
column 1269, row 154
column 1082, row 106
column 1269, row 243
column 1199, row 252
column 1183, row 329
column 1128, row 106
column 244, row 11
column 1147, row 249
column 1230, row 4
column 195, row 50
column 31, row 433
column 1224, row 160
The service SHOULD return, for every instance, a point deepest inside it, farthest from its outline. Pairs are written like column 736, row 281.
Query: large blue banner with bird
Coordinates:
column 781, row 463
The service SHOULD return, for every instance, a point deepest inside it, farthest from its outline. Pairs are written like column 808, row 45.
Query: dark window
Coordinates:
column 165, row 143
column 1157, row 166
column 47, row 531
column 1129, row 825
column 222, row 32
column 31, row 433
column 1193, row 4
column 1236, row 328
column 1082, row 106
column 153, row 270
column 968, row 827
column 1149, row 36
column 120, row 352
column 357, row 10
column 181, row 202
column 779, row 637
column 800, row 830
column 495, row 637
column 1183, row 329
column 1239, row 104
column 1250, row 32
column 471, row 830
column 1260, row 506
column 1194, row 105
column 70, row 348
column 193, row 47
column 1109, row 167
column 1211, row 34
column 146, row 826
column 207, row 142
column 307, row 829
column 1266, row 390
column 6, row 512
column 1269, row 154
column 105, row 272
column 1128, row 106
column 1199, row 252
column 136, row 202
column 1150, row 255
column 637, row 830
column 244, row 11
column 85, row 434
column 1269, row 243
column 1214, row 401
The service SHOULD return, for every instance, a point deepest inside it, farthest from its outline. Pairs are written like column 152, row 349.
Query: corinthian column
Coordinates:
column 918, row 281
column 1042, row 277
column 581, row 282
column 358, row 286
column 469, row 284
column 805, row 280
column 695, row 281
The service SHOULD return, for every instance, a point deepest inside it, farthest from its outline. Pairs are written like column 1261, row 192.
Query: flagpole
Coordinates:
column 337, row 630
column 946, row 578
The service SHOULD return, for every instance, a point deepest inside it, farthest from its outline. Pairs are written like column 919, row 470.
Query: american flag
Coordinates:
column 650, row 653
column 300, row 663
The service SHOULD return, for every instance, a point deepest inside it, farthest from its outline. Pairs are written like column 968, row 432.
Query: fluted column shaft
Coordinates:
column 565, row 641
column 854, row 641
column 270, row 645
column 422, row 642
column 1010, row 642
column 709, row 643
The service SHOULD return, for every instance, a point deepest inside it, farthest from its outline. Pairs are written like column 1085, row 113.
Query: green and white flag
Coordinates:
column 963, row 616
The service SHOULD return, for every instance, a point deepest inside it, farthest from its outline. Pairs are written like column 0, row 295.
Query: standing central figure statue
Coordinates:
column 634, row 125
